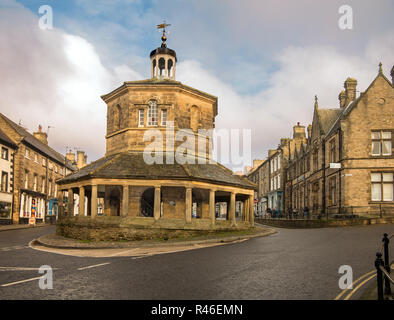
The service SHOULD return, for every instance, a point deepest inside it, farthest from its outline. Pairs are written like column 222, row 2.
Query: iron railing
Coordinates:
column 383, row 268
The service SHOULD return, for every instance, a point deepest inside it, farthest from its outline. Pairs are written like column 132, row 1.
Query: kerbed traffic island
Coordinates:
column 112, row 228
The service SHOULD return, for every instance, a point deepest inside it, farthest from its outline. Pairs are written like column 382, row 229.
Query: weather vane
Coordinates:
column 163, row 26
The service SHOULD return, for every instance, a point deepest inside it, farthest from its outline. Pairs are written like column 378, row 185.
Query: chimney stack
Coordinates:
column 309, row 131
column 81, row 159
column 70, row 156
column 298, row 132
column 257, row 162
column 42, row 136
column 342, row 99
column 350, row 90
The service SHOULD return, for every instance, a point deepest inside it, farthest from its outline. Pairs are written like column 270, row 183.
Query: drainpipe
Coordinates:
column 324, row 178
column 340, row 171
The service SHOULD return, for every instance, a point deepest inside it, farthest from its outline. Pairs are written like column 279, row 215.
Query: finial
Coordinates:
column 316, row 101
column 163, row 38
column 380, row 67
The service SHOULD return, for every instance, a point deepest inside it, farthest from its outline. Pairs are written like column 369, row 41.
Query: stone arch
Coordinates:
column 170, row 67
column 162, row 66
column 147, row 202
column 114, row 202
column 197, row 199
column 116, row 117
column 194, row 118
column 154, row 67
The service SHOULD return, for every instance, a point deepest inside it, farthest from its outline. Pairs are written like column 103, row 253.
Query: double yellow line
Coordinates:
column 364, row 279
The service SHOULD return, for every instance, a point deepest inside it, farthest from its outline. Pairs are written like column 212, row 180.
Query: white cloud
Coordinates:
column 56, row 79
column 302, row 73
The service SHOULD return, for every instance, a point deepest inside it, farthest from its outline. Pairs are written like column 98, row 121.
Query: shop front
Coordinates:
column 32, row 205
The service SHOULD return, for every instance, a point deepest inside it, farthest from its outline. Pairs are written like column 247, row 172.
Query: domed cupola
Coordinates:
column 163, row 59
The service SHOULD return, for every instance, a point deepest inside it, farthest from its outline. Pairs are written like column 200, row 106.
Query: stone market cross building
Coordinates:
column 139, row 196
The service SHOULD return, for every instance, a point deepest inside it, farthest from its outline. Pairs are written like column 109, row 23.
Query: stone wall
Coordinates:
column 107, row 228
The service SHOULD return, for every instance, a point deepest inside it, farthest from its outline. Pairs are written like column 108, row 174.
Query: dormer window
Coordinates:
column 153, row 113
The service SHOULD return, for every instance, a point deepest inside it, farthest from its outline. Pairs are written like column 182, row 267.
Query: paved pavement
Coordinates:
column 291, row 264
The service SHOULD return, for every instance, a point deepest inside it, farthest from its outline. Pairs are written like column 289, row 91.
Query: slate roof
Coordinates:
column 131, row 165
column 37, row 144
column 327, row 117
column 6, row 140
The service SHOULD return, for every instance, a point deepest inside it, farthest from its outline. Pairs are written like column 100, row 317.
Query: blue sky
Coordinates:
column 264, row 59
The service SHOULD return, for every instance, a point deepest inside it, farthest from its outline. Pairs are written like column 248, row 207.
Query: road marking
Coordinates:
column 94, row 266
column 20, row 269
column 354, row 283
column 13, row 248
column 140, row 257
column 21, row 281
column 358, row 287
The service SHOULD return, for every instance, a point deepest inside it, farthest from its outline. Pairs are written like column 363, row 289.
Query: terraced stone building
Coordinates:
column 347, row 164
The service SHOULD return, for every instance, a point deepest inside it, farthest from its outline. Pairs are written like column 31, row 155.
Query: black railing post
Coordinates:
column 379, row 275
column 387, row 289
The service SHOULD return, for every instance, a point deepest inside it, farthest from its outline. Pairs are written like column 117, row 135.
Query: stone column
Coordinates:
column 70, row 202
column 212, row 206
column 156, row 204
column 81, row 211
column 125, row 201
column 93, row 206
column 251, row 213
column 245, row 212
column 232, row 208
column 188, row 205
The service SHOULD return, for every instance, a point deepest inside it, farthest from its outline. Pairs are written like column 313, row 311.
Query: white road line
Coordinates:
column 96, row 265
column 20, row 269
column 21, row 281
column 140, row 257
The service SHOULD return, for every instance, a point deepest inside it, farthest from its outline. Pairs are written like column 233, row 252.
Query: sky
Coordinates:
column 265, row 60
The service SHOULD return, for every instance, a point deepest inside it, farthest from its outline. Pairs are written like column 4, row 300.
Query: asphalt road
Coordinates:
column 291, row 264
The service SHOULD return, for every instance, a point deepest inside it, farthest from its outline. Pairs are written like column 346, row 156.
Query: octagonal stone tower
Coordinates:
column 159, row 104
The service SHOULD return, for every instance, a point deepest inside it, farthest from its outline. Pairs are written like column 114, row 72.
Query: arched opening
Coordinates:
column 114, row 202
column 154, row 68
column 197, row 198
column 147, row 202
column 170, row 65
column 116, row 117
column 194, row 118
column 162, row 66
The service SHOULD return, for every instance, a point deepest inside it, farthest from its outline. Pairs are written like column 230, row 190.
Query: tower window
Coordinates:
column 162, row 65
column 164, row 117
column 141, row 117
column 153, row 113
